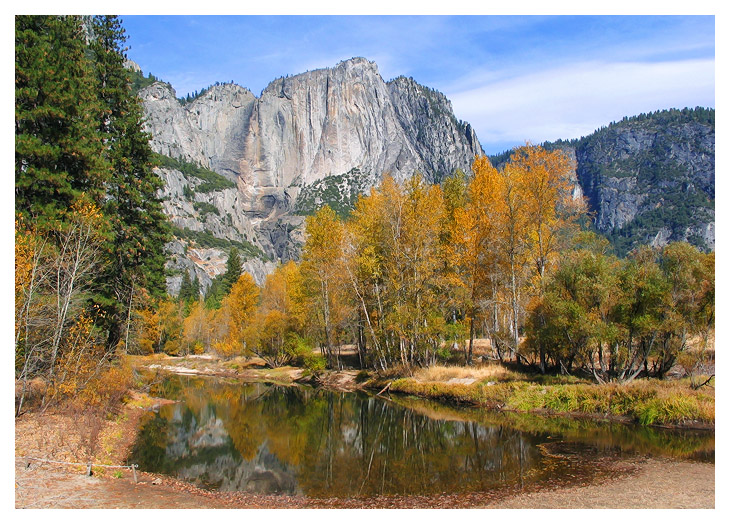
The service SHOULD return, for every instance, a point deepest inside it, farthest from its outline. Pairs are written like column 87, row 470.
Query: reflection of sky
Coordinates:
column 514, row 78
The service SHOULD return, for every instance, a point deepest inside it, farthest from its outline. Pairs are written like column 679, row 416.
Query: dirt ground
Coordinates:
column 638, row 483
column 655, row 483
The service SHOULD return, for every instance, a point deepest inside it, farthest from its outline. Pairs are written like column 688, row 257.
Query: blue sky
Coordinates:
column 514, row 78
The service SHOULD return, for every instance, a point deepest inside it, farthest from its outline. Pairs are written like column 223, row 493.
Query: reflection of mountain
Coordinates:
column 265, row 439
column 202, row 452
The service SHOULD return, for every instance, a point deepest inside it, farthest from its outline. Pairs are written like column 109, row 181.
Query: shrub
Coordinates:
column 443, row 354
column 211, row 181
column 315, row 363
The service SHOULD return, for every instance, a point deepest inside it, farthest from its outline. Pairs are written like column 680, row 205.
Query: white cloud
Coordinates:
column 572, row 101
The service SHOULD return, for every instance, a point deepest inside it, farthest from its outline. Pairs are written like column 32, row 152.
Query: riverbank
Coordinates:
column 82, row 437
column 668, row 403
column 644, row 483
column 663, row 403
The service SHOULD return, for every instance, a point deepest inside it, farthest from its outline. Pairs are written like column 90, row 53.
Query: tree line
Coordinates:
column 417, row 271
column 412, row 276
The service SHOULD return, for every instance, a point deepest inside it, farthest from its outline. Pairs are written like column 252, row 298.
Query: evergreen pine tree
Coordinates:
column 214, row 295
column 139, row 227
column 233, row 270
column 58, row 147
column 185, row 293
column 195, row 288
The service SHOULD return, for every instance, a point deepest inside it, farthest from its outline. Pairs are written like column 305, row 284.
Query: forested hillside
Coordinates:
column 650, row 179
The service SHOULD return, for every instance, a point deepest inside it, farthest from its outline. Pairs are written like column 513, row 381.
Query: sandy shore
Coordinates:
column 655, row 483
column 645, row 483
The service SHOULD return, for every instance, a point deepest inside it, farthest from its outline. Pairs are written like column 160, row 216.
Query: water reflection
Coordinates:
column 266, row 439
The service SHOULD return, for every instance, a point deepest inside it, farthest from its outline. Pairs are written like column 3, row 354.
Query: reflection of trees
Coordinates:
column 339, row 444
column 395, row 450
column 149, row 448
column 605, row 436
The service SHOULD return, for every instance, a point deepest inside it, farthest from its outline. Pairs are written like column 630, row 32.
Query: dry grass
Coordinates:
column 645, row 401
column 492, row 371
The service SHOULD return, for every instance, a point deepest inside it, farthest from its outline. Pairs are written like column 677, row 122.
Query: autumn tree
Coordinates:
column 233, row 322
column 196, row 329
column 509, row 233
column 277, row 320
column 53, row 286
column 552, row 209
column 323, row 281
column 396, row 270
column 472, row 248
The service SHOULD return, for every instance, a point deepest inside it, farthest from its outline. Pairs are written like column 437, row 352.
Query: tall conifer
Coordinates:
column 58, row 147
column 233, row 270
column 138, row 225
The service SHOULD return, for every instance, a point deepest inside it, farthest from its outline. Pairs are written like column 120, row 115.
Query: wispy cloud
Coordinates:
column 512, row 77
column 572, row 101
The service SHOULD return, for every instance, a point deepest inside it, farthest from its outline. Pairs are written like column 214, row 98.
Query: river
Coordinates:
column 227, row 435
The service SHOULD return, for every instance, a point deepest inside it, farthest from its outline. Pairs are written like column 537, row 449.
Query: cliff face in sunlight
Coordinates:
column 304, row 135
column 650, row 179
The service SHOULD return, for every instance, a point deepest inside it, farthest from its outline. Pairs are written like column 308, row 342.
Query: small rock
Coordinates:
column 156, row 482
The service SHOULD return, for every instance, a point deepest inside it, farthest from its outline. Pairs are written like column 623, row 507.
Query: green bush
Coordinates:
column 204, row 208
column 315, row 363
column 302, row 353
column 443, row 354
column 211, row 181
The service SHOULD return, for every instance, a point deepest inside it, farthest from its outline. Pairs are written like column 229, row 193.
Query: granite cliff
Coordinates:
column 244, row 171
column 650, row 179
column 332, row 131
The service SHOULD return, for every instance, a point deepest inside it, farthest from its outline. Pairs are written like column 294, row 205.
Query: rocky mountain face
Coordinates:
column 320, row 134
column 650, row 179
column 244, row 171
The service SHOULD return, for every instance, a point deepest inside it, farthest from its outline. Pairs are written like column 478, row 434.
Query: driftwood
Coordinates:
column 386, row 388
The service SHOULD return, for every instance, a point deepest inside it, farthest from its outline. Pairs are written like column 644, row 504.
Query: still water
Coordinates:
column 231, row 436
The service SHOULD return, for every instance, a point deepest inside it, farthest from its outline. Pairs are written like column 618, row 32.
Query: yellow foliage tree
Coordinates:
column 395, row 267
column 196, row 329
column 55, row 272
column 279, row 315
column 323, row 283
column 509, row 233
column 233, row 321
column 473, row 247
